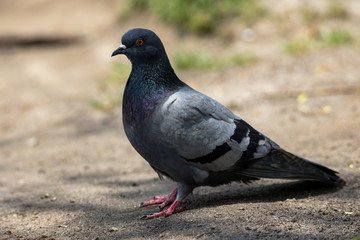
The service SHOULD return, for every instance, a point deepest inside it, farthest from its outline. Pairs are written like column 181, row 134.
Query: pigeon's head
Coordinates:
column 141, row 46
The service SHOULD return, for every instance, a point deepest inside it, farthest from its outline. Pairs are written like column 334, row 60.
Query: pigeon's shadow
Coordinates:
column 263, row 193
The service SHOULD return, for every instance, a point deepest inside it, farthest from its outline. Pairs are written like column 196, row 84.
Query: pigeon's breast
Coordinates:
column 138, row 107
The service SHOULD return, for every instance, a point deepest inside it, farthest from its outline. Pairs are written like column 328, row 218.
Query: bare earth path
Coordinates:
column 67, row 170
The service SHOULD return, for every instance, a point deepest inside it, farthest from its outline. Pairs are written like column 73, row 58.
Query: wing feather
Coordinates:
column 206, row 134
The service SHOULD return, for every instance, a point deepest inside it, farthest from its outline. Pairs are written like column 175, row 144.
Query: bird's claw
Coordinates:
column 163, row 201
column 171, row 210
column 157, row 200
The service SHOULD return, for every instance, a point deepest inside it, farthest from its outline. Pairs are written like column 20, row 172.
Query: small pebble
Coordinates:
column 32, row 142
column 248, row 35
column 46, row 195
column 113, row 229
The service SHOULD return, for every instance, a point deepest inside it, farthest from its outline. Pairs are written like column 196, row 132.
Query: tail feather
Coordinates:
column 281, row 164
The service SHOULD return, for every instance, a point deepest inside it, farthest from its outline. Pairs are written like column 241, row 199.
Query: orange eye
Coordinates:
column 140, row 42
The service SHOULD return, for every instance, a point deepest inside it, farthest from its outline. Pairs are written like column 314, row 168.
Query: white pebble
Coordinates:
column 32, row 142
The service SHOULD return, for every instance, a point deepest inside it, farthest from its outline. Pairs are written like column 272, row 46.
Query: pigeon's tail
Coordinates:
column 281, row 164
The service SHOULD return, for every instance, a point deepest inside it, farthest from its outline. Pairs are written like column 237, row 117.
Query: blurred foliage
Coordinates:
column 309, row 14
column 333, row 10
column 202, row 16
column 319, row 38
column 336, row 9
column 205, row 60
column 193, row 60
column 313, row 29
column 298, row 45
column 335, row 37
column 112, row 87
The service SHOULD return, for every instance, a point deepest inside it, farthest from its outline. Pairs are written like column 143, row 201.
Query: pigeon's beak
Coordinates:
column 119, row 50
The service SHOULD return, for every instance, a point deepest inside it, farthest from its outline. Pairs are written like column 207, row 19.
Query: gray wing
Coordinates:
column 206, row 134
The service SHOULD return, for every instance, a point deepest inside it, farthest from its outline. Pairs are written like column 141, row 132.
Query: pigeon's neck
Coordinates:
column 156, row 74
column 148, row 86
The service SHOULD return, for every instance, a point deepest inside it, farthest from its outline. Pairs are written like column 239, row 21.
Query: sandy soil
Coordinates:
column 67, row 170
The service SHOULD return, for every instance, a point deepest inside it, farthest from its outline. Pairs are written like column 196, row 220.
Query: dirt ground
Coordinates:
column 67, row 170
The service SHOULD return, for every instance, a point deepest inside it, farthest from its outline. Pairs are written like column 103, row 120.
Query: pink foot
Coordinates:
column 172, row 209
column 163, row 201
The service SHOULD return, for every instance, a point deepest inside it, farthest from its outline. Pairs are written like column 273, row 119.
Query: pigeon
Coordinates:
column 191, row 138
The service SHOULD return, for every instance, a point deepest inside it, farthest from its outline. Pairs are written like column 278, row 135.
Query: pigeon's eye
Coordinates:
column 139, row 42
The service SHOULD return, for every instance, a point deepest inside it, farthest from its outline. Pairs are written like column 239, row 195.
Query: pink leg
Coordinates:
column 172, row 209
column 176, row 197
column 163, row 201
